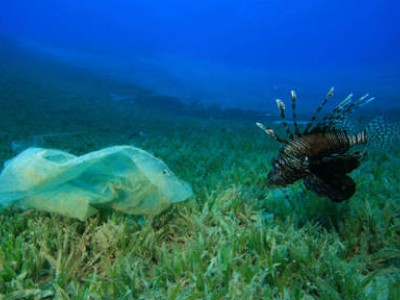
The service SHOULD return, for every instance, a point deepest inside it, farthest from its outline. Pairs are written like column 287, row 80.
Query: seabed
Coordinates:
column 235, row 239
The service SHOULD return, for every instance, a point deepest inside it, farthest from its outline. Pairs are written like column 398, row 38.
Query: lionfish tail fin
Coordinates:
column 383, row 135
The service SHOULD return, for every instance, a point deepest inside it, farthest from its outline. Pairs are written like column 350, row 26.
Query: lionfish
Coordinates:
column 324, row 152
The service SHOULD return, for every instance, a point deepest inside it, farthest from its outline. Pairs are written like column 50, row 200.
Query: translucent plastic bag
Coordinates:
column 123, row 178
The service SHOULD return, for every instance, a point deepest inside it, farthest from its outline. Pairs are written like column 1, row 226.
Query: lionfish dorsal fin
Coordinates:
column 338, row 117
column 297, row 130
column 360, row 102
column 271, row 133
column 320, row 107
column 281, row 107
column 334, row 117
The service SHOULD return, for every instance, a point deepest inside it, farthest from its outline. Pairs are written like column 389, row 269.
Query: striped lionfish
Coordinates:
column 322, row 154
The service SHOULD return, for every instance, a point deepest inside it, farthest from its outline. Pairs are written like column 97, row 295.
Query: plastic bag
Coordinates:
column 123, row 178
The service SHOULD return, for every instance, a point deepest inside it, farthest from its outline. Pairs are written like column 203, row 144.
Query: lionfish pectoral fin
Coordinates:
column 337, row 188
column 336, row 164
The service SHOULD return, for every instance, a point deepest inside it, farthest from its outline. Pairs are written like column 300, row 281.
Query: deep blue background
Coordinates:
column 236, row 53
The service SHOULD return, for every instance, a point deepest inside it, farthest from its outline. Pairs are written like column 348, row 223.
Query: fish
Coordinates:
column 324, row 151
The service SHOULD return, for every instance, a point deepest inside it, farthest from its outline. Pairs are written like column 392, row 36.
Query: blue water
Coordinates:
column 239, row 54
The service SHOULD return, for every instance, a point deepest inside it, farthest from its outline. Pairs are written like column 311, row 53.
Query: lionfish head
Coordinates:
column 285, row 170
column 276, row 174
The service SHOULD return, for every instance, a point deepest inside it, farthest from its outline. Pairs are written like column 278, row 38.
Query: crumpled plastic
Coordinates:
column 121, row 178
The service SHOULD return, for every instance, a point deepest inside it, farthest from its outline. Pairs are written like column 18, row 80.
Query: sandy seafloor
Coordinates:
column 222, row 155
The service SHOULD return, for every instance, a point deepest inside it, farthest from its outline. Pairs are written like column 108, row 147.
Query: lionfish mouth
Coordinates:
column 275, row 174
column 320, row 153
column 275, row 179
column 281, row 174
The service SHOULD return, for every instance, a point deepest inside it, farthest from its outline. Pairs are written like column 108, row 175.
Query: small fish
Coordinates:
column 324, row 152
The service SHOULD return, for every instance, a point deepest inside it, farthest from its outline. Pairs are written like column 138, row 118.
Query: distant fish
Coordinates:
column 322, row 154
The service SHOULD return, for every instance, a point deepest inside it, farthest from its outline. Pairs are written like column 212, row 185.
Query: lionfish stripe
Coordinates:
column 314, row 117
column 360, row 138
